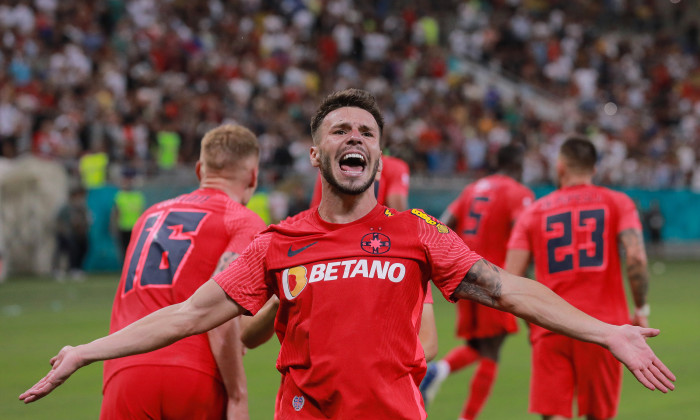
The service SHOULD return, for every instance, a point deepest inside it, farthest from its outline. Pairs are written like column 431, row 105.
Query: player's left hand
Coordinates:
column 629, row 346
column 63, row 365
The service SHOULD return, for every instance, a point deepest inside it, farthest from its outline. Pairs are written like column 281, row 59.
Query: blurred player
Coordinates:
column 351, row 279
column 177, row 245
column 483, row 216
column 574, row 235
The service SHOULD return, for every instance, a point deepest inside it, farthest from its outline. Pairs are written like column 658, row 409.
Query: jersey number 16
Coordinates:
column 166, row 239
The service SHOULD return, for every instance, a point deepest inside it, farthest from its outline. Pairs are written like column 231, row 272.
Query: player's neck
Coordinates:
column 344, row 208
column 572, row 181
column 233, row 190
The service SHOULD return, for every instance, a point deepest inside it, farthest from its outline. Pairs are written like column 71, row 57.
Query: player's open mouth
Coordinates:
column 352, row 163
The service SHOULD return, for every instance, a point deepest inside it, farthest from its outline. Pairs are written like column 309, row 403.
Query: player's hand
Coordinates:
column 63, row 365
column 629, row 346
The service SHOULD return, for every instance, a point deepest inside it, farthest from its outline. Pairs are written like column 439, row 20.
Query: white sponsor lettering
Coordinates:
column 361, row 269
column 348, row 269
column 317, row 272
column 331, row 269
column 377, row 269
column 393, row 275
column 347, row 264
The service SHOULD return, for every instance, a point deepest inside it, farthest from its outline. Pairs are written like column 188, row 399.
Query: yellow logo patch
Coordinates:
column 430, row 220
column 294, row 280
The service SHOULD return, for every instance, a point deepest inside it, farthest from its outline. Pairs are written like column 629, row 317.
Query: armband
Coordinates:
column 644, row 311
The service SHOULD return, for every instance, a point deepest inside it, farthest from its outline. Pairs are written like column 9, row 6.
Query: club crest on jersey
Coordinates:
column 294, row 280
column 298, row 402
column 375, row 243
column 430, row 220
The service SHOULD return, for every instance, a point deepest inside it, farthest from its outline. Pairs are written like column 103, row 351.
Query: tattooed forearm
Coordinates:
column 481, row 284
column 637, row 273
column 226, row 259
column 639, row 283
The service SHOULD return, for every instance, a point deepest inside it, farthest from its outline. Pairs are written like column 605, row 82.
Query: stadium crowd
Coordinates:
column 139, row 82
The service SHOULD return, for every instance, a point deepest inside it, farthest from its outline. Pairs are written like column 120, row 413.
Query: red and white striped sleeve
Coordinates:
column 245, row 279
column 448, row 257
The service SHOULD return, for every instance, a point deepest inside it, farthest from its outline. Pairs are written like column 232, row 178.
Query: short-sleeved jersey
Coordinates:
column 573, row 235
column 394, row 179
column 175, row 247
column 486, row 211
column 351, row 298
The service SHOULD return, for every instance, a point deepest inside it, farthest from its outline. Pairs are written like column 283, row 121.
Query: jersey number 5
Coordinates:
column 475, row 215
column 591, row 252
column 167, row 239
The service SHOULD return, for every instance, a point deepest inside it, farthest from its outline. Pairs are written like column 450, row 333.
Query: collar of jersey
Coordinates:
column 377, row 210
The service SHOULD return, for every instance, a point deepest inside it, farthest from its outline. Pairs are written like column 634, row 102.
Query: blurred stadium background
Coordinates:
column 93, row 93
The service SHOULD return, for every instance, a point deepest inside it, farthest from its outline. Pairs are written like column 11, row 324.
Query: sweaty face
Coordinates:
column 348, row 152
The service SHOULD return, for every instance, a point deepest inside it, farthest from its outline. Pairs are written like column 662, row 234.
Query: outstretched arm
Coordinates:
column 208, row 307
column 534, row 302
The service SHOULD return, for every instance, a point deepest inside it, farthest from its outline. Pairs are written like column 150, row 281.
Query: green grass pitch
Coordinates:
column 38, row 316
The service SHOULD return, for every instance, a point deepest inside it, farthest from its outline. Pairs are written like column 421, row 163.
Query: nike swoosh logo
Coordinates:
column 292, row 252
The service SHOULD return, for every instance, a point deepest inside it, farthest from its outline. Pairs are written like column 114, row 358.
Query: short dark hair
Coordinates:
column 352, row 97
column 580, row 154
column 510, row 157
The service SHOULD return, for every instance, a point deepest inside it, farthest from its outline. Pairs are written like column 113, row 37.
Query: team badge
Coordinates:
column 298, row 402
column 294, row 280
column 375, row 243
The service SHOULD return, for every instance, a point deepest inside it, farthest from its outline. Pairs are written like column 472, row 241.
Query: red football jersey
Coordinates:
column 572, row 234
column 175, row 247
column 351, row 298
column 394, row 179
column 486, row 211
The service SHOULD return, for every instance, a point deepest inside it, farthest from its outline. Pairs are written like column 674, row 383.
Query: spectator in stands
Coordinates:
column 187, row 65
column 129, row 203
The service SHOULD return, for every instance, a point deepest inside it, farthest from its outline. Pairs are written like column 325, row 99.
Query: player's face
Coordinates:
column 348, row 153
